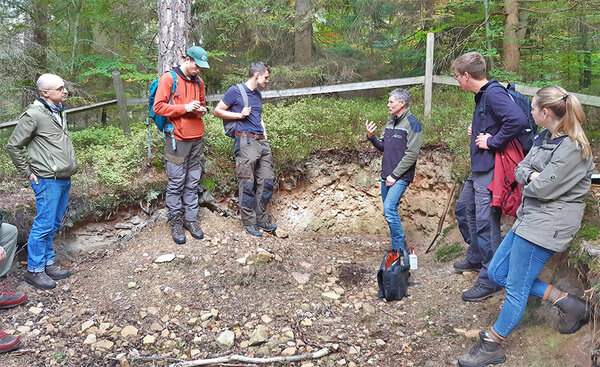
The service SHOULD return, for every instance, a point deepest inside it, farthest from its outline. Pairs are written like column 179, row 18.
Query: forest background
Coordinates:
column 307, row 43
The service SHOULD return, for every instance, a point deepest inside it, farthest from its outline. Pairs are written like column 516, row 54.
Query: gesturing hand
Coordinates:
column 371, row 127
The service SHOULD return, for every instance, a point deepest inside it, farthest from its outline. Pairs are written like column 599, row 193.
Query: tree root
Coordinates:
column 238, row 358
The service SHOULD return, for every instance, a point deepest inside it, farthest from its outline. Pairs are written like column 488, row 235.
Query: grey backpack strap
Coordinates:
column 243, row 94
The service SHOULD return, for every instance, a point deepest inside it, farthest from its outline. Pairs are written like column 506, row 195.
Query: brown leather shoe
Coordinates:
column 8, row 342
column 57, row 273
column 9, row 299
column 40, row 280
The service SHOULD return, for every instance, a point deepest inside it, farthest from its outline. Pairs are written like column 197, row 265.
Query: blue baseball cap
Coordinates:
column 199, row 55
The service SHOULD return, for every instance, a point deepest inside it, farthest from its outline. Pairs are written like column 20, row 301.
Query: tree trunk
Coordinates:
column 174, row 26
column 303, row 35
column 586, row 67
column 40, row 34
column 75, row 30
column 511, row 42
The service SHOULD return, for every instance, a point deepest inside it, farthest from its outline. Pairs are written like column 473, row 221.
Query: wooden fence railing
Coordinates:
column 428, row 80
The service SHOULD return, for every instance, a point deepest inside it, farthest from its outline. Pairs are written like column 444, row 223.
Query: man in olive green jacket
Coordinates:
column 48, row 164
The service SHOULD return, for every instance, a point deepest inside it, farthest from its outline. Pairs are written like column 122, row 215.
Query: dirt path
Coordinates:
column 230, row 281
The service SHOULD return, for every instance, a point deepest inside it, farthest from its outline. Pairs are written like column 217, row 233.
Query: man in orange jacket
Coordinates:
column 183, row 148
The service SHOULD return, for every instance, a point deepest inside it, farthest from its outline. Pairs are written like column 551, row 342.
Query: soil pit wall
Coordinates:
column 340, row 194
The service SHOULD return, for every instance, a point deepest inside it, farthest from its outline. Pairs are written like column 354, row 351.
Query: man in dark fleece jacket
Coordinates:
column 400, row 143
column 496, row 122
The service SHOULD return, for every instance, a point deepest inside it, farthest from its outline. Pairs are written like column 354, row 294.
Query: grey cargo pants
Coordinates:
column 254, row 169
column 8, row 241
column 183, row 171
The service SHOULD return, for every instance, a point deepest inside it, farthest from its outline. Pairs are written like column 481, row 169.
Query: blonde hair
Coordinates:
column 568, row 109
column 472, row 63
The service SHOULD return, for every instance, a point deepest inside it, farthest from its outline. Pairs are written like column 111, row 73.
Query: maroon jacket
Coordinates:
column 506, row 191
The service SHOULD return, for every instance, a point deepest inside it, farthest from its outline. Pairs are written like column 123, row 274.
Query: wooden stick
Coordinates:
column 238, row 358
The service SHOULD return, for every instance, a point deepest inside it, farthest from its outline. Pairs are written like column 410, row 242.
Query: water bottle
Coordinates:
column 413, row 260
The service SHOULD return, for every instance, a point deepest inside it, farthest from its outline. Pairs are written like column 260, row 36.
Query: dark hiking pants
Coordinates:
column 479, row 222
column 254, row 169
column 183, row 171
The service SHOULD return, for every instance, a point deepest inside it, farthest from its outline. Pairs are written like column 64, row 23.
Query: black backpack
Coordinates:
column 392, row 276
column 524, row 103
column 231, row 125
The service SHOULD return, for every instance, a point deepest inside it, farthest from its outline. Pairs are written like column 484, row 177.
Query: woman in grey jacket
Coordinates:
column 556, row 175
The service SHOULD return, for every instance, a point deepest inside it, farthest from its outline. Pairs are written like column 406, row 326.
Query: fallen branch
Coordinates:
column 237, row 358
column 145, row 359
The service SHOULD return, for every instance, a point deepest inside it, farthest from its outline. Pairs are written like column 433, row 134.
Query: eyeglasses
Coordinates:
column 455, row 76
column 60, row 89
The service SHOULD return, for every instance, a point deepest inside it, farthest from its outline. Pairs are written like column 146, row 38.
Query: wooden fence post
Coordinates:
column 429, row 76
column 122, row 102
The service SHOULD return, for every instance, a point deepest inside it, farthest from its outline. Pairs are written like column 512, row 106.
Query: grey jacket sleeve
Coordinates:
column 413, row 145
column 562, row 173
column 20, row 137
column 524, row 169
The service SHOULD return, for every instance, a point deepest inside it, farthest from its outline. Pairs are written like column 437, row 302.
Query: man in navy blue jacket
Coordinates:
column 496, row 121
column 400, row 143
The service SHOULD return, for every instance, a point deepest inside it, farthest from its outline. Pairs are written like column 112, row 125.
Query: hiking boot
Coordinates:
column 573, row 313
column 40, row 280
column 267, row 227
column 479, row 292
column 177, row 230
column 194, row 229
column 253, row 230
column 57, row 273
column 485, row 352
column 465, row 266
column 9, row 299
column 8, row 342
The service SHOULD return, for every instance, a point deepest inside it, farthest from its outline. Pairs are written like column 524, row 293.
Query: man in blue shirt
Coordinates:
column 496, row 121
column 253, row 161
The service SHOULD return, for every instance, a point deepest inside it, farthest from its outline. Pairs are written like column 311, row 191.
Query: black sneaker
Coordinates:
column 194, row 229
column 465, row 266
column 485, row 352
column 267, row 227
column 253, row 230
column 573, row 313
column 40, row 280
column 479, row 292
column 177, row 230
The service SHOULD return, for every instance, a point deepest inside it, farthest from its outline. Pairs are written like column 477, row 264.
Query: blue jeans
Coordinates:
column 516, row 266
column 51, row 198
column 391, row 199
column 479, row 223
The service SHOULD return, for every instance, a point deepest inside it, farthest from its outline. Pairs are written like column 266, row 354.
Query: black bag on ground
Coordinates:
column 392, row 276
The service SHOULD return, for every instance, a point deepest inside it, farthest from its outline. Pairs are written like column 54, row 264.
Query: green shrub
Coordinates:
column 449, row 252
column 296, row 128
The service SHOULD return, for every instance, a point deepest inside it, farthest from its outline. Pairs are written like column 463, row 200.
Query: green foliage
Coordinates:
column 296, row 128
column 58, row 355
column 448, row 252
column 110, row 158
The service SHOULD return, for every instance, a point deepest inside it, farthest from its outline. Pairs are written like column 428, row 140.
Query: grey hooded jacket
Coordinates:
column 50, row 152
column 553, row 203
